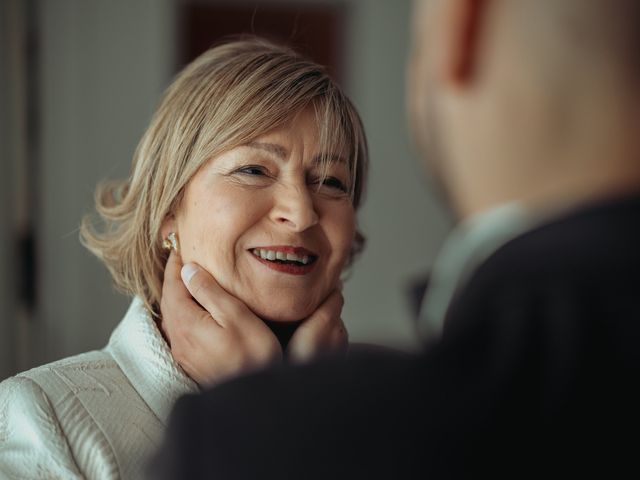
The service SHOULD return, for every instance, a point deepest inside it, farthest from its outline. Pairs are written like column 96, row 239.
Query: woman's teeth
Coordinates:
column 271, row 255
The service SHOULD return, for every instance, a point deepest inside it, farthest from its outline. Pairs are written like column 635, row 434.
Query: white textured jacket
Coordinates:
column 98, row 415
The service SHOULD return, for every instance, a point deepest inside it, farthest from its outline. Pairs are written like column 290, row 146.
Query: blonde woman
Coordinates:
column 250, row 173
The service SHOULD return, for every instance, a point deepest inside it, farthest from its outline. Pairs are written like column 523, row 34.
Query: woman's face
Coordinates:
column 259, row 220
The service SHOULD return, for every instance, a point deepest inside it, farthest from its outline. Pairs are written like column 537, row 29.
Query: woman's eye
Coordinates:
column 333, row 183
column 252, row 170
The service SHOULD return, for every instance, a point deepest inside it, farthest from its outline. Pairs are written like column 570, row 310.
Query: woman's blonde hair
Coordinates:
column 225, row 98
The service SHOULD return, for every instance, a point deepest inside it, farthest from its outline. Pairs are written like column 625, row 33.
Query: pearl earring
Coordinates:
column 171, row 242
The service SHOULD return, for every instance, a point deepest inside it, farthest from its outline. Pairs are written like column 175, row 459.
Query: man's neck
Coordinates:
column 555, row 191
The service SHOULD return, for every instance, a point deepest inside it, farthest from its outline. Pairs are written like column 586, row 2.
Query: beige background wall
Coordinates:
column 7, row 293
column 402, row 219
column 103, row 65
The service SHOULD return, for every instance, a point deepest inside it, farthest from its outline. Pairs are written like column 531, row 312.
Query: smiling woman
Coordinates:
column 254, row 164
column 235, row 111
column 270, row 221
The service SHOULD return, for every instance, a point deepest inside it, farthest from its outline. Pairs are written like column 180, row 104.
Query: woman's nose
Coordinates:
column 294, row 208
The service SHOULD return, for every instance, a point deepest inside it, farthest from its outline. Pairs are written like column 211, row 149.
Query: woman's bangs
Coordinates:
column 335, row 138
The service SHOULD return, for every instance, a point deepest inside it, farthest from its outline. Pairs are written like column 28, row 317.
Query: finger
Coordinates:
column 223, row 306
column 322, row 331
column 180, row 313
column 340, row 337
column 172, row 279
column 328, row 313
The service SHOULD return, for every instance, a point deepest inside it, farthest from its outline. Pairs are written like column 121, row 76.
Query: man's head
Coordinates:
column 530, row 101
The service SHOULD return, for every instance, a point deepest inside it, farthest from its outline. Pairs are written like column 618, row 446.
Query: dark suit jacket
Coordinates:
column 536, row 375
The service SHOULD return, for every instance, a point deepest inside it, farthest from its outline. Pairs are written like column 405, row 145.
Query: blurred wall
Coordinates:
column 103, row 65
column 7, row 131
column 401, row 218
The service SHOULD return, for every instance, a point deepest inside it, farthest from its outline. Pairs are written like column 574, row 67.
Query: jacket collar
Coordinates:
column 468, row 246
column 143, row 355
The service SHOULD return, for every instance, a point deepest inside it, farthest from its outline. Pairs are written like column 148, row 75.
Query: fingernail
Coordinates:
column 188, row 271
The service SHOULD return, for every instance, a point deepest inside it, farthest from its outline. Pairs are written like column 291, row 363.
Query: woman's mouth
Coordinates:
column 285, row 259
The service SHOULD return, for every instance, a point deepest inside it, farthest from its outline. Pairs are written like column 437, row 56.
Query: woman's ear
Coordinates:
column 170, row 225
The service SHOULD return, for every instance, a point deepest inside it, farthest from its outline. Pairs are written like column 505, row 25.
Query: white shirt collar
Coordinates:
column 143, row 355
column 469, row 244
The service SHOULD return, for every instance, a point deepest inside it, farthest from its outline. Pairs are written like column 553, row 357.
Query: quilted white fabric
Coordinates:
column 98, row 415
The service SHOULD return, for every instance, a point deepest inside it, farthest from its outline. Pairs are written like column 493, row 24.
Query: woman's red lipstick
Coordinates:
column 290, row 266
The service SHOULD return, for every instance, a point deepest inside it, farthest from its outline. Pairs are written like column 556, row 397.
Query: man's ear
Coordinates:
column 461, row 32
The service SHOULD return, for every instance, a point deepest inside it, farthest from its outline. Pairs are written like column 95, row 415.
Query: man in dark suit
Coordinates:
column 528, row 113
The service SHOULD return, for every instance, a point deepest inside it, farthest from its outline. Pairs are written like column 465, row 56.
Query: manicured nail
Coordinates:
column 188, row 271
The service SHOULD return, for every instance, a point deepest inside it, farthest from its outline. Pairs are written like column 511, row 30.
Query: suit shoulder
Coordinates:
column 367, row 372
column 587, row 245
